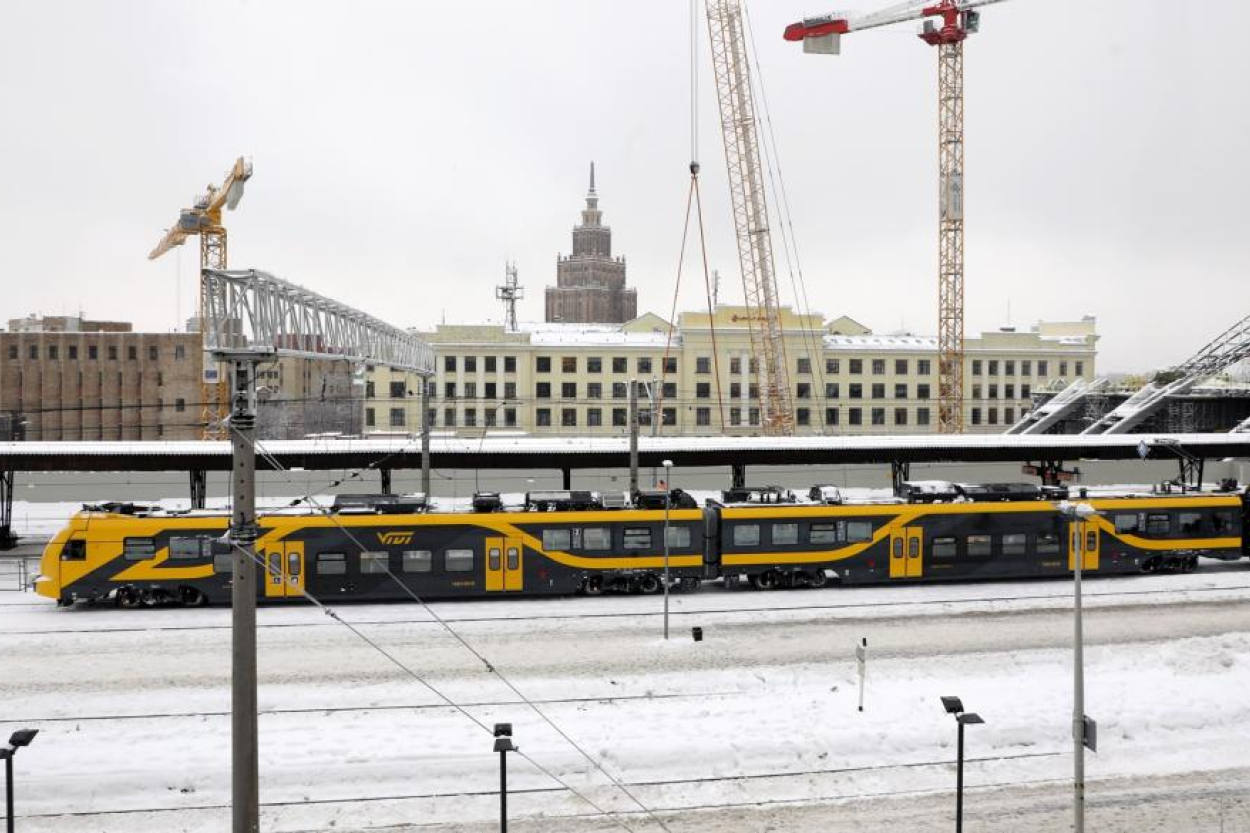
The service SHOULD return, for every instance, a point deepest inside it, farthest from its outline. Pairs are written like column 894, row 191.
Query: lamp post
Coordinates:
column 503, row 745
column 955, row 706
column 1078, row 514
column 668, row 502
column 20, row 738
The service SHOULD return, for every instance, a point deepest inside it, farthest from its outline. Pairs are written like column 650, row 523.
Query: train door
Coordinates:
column 907, row 552
column 1090, row 546
column 504, row 563
column 294, row 575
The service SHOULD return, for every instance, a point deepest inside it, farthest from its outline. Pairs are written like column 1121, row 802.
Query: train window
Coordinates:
column 223, row 562
column 596, row 538
column 747, row 535
column 1127, row 523
column 138, row 549
column 331, row 564
column 637, row 538
column 898, row 548
column 458, row 561
column 418, row 561
column 785, row 533
column 75, row 550
column 493, row 562
column 1220, row 521
column 1158, row 523
column 943, row 548
column 823, row 534
column 189, row 547
column 374, row 562
column 679, row 536
column 514, row 558
column 1047, row 543
column 1014, row 544
column 1190, row 521
column 858, row 531
column 294, row 565
column 980, row 545
column 274, row 568
column 1091, row 541
column 557, row 539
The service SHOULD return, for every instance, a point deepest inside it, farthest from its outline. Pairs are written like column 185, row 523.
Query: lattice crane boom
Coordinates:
column 947, row 24
column 204, row 219
column 739, row 128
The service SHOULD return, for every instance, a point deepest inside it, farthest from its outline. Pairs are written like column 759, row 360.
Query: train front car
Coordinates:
column 134, row 556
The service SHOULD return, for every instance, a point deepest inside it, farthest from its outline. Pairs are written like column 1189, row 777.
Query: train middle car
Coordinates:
column 148, row 557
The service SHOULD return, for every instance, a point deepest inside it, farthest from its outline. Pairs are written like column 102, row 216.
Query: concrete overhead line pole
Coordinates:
column 250, row 316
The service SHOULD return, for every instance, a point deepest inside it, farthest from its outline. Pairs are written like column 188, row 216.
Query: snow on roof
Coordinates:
column 881, row 342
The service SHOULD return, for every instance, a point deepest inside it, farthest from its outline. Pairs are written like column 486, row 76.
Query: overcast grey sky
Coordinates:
column 404, row 151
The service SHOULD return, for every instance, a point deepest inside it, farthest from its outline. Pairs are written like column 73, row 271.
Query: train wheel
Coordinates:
column 190, row 597
column 126, row 597
column 817, row 578
column 731, row 582
column 593, row 586
column 648, row 583
column 690, row 584
column 764, row 581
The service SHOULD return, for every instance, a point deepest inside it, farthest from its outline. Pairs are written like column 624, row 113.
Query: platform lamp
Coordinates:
column 504, row 745
column 20, row 738
column 955, row 706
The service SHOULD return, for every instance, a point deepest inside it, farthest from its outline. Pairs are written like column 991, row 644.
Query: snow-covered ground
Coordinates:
column 753, row 729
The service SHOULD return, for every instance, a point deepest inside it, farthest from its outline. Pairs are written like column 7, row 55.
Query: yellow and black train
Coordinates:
column 380, row 550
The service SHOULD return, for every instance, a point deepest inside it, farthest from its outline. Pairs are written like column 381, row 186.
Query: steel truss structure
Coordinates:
column 951, row 238
column 253, row 312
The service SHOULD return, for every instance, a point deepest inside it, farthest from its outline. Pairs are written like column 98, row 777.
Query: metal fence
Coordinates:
column 18, row 572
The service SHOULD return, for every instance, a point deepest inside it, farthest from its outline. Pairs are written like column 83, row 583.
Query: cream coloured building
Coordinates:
column 553, row 378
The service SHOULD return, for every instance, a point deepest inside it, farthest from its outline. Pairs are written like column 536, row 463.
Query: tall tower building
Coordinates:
column 590, row 283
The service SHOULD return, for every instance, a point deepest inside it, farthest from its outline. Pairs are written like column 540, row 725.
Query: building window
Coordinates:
column 735, row 365
column 542, row 390
column 703, row 416
column 509, row 417
column 993, row 391
column 619, row 417
column 857, row 367
column 976, row 392
column 703, row 364
column 449, row 364
column 804, row 364
column 369, row 392
column 369, row 418
column 1026, row 391
column 644, row 364
column 73, row 352
column 112, row 352
column 1043, row 368
column 976, row 367
column 831, row 390
column 900, row 416
column 668, row 390
column 568, row 364
column 878, row 390
column 670, row 364
column 1009, row 416
column 568, row 390
column 490, row 390
column 620, row 364
column 753, row 416
column 397, row 417
column 470, row 364
column 491, row 415
column 397, row 390
column 153, row 355
column 594, row 417
column 878, row 416
column 1080, row 368
column 542, row 364
column 993, row 415
column 1009, row 392
column 1063, row 369
column 753, row 391
column 594, row 390
column 449, row 390
column 620, row 390
column 803, row 390
column 803, row 416
column 878, row 367
column 976, row 416
column 542, row 417
column 922, row 416
column 922, row 391
column 490, row 364
column 470, row 417
column 568, row 417
column 594, row 364
column 1026, row 368
column 180, row 405
column 900, row 367
column 735, row 390
column 54, row 352
column 93, row 352
column 993, row 367
column 1009, row 368
column 900, row 391
column 12, row 352
column 833, row 366
column 831, row 416
column 449, row 417
column 924, row 367
column 703, row 390
column 857, row 390
column 855, row 416
column 509, row 364
column 735, row 416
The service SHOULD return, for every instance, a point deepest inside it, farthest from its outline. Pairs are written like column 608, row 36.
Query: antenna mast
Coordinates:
column 510, row 292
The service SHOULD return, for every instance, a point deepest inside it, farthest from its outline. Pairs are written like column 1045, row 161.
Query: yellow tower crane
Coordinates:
column 203, row 218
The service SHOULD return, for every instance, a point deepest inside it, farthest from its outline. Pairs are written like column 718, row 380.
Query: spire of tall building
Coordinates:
column 590, row 283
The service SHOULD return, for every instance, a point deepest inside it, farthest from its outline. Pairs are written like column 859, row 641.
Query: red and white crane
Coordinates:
column 947, row 23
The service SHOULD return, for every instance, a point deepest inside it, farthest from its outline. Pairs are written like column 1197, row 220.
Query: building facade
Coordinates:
column 590, row 282
column 550, row 379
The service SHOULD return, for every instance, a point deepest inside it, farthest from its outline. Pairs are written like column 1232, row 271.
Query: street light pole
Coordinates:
column 503, row 745
column 668, row 502
column 955, row 706
column 20, row 738
column 1078, row 515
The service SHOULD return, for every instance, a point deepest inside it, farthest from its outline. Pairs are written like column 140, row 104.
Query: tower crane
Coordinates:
column 750, row 209
column 203, row 218
column 947, row 23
